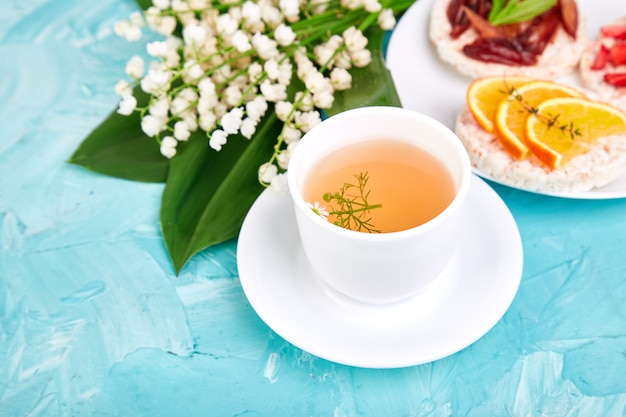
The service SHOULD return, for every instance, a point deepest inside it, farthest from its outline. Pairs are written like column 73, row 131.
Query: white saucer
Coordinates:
column 460, row 307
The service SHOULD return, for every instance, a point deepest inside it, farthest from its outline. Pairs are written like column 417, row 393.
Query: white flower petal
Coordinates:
column 123, row 88
column 218, row 139
column 168, row 152
column 135, row 67
column 386, row 19
column 240, row 41
column 152, row 125
column 194, row 34
column 279, row 184
column 157, row 49
column 284, row 35
column 127, row 105
column 181, row 130
column 231, row 121
column 248, row 127
column 169, row 142
column 267, row 172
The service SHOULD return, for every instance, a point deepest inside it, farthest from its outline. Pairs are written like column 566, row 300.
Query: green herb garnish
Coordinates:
column 504, row 12
column 352, row 211
column 552, row 121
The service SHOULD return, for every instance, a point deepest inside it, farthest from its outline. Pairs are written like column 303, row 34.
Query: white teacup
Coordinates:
column 379, row 267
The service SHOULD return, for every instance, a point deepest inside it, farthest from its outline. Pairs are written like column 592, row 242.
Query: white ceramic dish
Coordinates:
column 465, row 303
column 427, row 85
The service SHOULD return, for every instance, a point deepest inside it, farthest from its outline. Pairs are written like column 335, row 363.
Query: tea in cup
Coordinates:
column 378, row 195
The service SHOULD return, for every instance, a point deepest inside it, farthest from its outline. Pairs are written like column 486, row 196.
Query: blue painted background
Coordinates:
column 93, row 321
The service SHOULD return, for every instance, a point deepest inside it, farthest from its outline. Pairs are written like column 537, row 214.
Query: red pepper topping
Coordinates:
column 617, row 79
column 615, row 31
column 618, row 54
column 601, row 59
column 613, row 56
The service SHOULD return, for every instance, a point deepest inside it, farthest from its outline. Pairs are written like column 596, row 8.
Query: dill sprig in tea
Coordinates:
column 350, row 206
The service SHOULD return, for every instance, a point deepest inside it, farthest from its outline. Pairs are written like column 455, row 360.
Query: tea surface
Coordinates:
column 412, row 185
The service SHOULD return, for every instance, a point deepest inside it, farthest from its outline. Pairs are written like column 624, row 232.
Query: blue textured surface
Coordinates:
column 93, row 320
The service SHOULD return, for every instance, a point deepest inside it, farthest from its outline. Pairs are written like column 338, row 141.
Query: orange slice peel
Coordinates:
column 566, row 127
column 484, row 94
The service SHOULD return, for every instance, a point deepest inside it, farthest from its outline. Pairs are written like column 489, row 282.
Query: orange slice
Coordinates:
column 566, row 127
column 513, row 111
column 484, row 95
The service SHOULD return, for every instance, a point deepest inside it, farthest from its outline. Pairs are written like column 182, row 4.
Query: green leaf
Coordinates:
column 496, row 6
column 372, row 85
column 119, row 148
column 209, row 193
column 144, row 4
column 516, row 11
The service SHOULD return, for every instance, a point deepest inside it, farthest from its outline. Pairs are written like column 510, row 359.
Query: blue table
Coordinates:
column 94, row 321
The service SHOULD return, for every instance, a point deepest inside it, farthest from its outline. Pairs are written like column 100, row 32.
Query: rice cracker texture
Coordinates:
column 594, row 79
column 603, row 163
column 559, row 58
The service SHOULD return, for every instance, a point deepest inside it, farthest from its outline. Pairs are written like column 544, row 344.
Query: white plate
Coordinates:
column 460, row 307
column 428, row 85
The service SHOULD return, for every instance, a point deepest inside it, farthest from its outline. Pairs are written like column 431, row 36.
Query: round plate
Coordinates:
column 461, row 306
column 428, row 85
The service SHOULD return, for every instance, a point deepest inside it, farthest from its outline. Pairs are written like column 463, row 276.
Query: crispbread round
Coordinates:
column 594, row 79
column 560, row 57
column 602, row 164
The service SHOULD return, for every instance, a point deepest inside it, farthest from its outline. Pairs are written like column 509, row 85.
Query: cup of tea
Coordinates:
column 378, row 194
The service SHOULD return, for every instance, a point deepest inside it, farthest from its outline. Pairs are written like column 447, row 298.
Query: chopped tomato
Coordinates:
column 601, row 59
column 615, row 31
column 617, row 79
column 618, row 54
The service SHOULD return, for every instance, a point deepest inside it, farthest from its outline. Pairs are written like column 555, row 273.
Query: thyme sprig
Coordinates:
column 352, row 205
column 552, row 121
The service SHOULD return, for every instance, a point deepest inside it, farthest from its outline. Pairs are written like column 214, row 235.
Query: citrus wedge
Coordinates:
column 513, row 111
column 566, row 127
column 484, row 95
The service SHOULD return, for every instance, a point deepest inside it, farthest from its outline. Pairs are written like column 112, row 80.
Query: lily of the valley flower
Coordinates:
column 168, row 147
column 234, row 61
column 135, row 67
column 127, row 105
column 130, row 29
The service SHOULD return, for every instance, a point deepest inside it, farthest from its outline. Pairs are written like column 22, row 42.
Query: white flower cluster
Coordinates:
column 233, row 61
